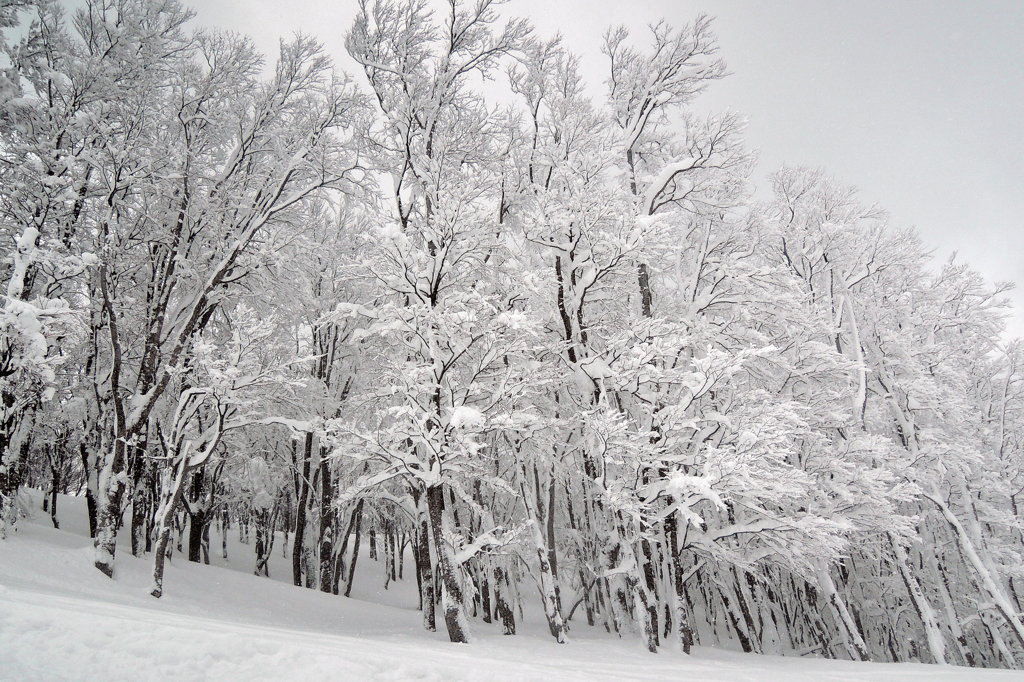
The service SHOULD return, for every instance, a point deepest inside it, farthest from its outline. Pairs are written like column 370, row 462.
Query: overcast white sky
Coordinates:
column 918, row 103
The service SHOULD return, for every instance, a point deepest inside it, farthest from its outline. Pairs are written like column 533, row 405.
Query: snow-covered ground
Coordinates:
column 60, row 619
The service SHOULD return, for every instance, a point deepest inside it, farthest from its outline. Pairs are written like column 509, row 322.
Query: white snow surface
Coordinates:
column 61, row 619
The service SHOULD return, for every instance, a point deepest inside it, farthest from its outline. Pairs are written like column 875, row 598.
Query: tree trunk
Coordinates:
column 936, row 642
column 339, row 564
column 225, row 525
column 485, row 595
column 502, row 609
column 179, row 524
column 745, row 623
column 450, row 579
column 91, row 485
column 421, row 552
column 310, row 565
column 684, row 630
column 198, row 523
column 997, row 639
column 140, row 498
column 13, row 458
column 391, row 542
column 355, row 551
column 140, row 516
column 402, row 543
column 54, row 485
column 540, row 521
column 300, row 512
column 264, row 520
column 205, row 544
column 89, row 448
column 549, row 595
column 108, row 516
column 642, row 599
column 169, row 500
column 941, row 583
column 988, row 580
column 550, row 537
column 328, row 520
column 854, row 641
column 646, row 557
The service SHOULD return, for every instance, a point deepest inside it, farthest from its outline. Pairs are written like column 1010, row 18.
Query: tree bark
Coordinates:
column 328, row 519
column 421, row 553
column 540, row 521
column 170, row 499
column 198, row 523
column 339, row 564
column 941, row 583
column 855, row 642
column 112, row 489
column 684, row 629
column 55, row 482
column 988, row 580
column 502, row 609
column 264, row 520
column 300, row 512
column 455, row 618
column 14, row 457
column 355, row 551
column 91, row 485
column 141, row 509
column 936, row 642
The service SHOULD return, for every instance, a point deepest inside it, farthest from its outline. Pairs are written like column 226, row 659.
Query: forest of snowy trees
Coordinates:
column 523, row 347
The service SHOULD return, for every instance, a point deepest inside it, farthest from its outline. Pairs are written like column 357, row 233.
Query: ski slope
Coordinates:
column 60, row 619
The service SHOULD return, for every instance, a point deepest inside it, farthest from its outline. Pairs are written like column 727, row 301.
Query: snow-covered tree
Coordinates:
column 445, row 334
column 547, row 342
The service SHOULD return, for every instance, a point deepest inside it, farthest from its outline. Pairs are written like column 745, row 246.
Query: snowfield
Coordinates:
column 60, row 619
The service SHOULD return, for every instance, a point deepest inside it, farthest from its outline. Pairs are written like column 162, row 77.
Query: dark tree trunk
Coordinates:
column 683, row 626
column 391, row 548
column 646, row 297
column 89, row 468
column 141, row 504
column 355, row 551
column 483, row 587
column 15, row 440
column 196, row 524
column 225, row 525
column 199, row 517
column 140, row 517
column 451, row 586
column 339, row 565
column 502, row 609
column 485, row 596
column 300, row 512
column 403, row 540
column 54, row 485
column 652, row 588
column 264, row 520
column 328, row 520
column 421, row 552
column 550, row 528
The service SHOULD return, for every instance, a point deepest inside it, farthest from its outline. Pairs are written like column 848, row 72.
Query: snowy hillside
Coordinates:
column 60, row 619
